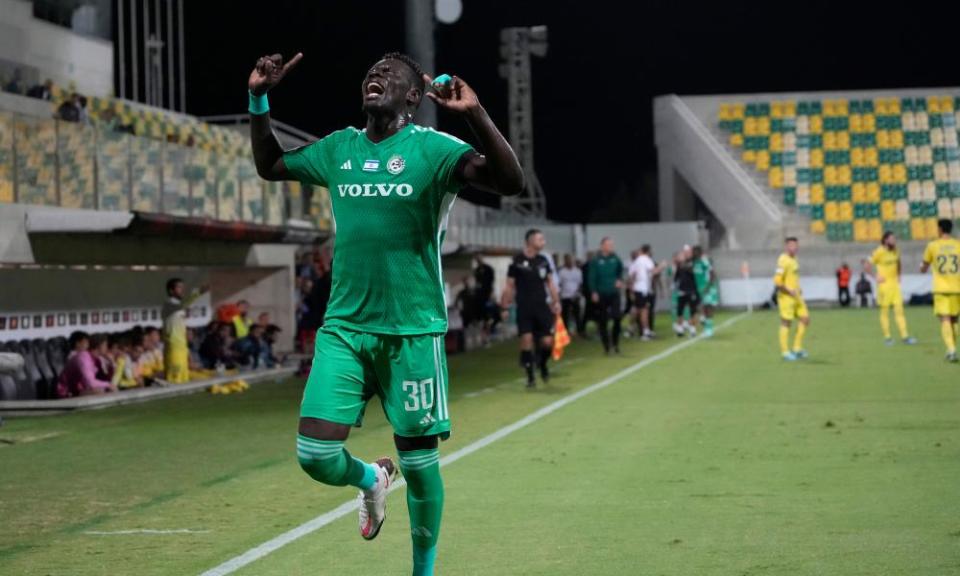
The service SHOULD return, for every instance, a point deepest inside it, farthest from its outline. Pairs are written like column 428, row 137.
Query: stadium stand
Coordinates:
column 855, row 166
column 126, row 156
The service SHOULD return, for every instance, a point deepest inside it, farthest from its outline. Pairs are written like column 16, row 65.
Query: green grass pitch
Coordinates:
column 718, row 459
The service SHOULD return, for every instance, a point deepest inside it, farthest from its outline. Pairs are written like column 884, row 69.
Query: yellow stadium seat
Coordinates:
column 776, row 110
column 931, row 228
column 844, row 175
column 816, row 158
column 933, row 104
column 763, row 125
column 735, row 140
column 831, row 212
column 738, row 111
column 750, row 126
column 871, row 157
column 880, row 106
column 946, row 104
column 818, row 227
column 869, row 123
column 790, row 109
column 899, row 174
column 918, row 229
column 776, row 142
column 860, row 229
column 830, row 176
column 856, row 157
column 859, row 192
column 888, row 210
column 885, row 174
column 846, row 211
column 816, row 125
column 725, row 112
column 775, row 177
column 763, row 160
column 856, row 123
column 883, row 139
column 874, row 230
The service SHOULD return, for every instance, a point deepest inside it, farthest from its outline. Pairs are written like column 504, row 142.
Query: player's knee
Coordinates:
column 324, row 462
column 411, row 443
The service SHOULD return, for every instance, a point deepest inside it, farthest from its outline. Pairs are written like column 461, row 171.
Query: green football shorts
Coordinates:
column 711, row 297
column 407, row 373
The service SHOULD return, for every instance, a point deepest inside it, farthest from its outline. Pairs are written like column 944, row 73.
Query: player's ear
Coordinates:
column 414, row 96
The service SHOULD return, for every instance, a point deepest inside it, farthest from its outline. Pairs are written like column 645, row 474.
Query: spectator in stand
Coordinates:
column 79, row 376
column 15, row 85
column 263, row 319
column 571, row 282
column 267, row 357
column 42, row 91
column 176, row 359
column 124, row 368
column 241, row 324
column 153, row 352
column 100, row 349
column 215, row 351
column 70, row 110
column 247, row 350
column 843, row 284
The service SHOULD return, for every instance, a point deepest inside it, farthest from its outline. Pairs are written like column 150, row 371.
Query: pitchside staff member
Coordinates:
column 529, row 277
column 606, row 282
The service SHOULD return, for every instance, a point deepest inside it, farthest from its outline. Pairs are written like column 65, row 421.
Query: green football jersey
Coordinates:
column 390, row 206
column 701, row 274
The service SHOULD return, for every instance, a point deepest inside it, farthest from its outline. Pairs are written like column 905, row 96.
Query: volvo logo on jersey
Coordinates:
column 374, row 190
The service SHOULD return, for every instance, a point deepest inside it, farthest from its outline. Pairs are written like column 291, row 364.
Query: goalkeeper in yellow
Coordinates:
column 943, row 256
column 884, row 266
column 176, row 354
column 790, row 301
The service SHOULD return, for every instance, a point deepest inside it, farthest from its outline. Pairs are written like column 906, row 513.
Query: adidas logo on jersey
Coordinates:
column 356, row 190
column 346, row 166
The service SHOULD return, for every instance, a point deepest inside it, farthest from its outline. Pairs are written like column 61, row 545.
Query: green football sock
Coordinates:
column 421, row 468
column 327, row 461
column 708, row 323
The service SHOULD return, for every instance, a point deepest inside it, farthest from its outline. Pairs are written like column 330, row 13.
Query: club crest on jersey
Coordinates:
column 371, row 165
column 396, row 164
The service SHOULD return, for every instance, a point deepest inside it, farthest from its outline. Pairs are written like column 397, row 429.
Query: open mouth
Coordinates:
column 374, row 90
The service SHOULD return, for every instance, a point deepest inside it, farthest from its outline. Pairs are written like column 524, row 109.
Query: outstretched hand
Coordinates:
column 456, row 95
column 269, row 71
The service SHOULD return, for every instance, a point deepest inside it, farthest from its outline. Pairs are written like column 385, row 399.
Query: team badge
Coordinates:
column 396, row 164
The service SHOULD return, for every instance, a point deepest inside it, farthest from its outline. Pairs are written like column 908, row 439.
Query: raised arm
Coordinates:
column 497, row 170
column 267, row 153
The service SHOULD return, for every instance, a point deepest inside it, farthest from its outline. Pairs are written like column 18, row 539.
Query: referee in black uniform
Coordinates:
column 529, row 278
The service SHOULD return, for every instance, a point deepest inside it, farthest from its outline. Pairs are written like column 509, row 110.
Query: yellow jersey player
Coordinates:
column 884, row 266
column 790, row 301
column 943, row 256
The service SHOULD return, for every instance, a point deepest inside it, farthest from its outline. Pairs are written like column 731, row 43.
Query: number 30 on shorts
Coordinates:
column 419, row 395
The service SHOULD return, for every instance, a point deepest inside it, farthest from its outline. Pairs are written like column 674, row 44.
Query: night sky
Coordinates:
column 593, row 91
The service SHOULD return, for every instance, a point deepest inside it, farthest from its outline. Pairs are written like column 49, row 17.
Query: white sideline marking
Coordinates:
column 254, row 554
column 145, row 531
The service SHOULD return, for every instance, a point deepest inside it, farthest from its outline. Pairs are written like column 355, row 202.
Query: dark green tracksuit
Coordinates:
column 605, row 271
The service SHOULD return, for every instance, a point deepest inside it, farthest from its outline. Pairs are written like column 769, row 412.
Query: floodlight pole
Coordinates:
column 516, row 47
column 420, row 45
